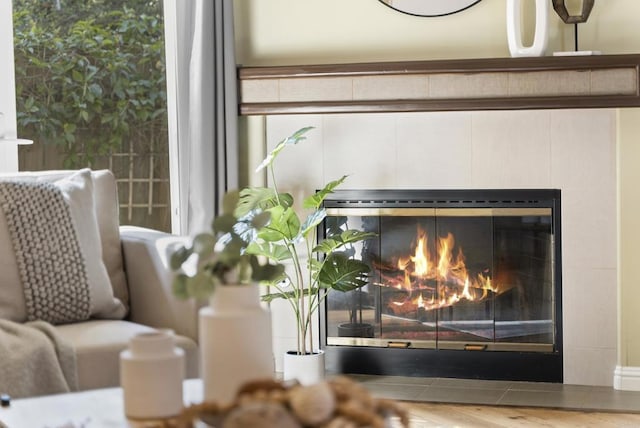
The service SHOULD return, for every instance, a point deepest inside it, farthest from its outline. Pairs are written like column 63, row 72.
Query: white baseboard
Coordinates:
column 626, row 378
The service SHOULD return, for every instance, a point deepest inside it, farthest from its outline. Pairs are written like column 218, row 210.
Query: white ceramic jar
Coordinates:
column 151, row 374
column 235, row 341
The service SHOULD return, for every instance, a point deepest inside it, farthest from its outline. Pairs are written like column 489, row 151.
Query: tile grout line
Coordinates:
column 502, row 396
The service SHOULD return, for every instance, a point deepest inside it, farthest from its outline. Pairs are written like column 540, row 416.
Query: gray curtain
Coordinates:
column 203, row 125
column 226, row 100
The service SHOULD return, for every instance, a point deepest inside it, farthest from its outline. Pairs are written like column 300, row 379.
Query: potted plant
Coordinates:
column 262, row 223
column 234, row 330
column 316, row 265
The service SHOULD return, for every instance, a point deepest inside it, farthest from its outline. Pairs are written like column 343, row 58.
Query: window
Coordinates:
column 91, row 91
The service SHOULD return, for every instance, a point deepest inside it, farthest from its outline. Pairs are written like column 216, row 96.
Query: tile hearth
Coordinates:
column 501, row 393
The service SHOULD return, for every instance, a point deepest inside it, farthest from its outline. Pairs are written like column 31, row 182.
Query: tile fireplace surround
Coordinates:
column 572, row 150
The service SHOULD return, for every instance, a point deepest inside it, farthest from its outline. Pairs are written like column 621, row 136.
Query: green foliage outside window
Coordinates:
column 90, row 75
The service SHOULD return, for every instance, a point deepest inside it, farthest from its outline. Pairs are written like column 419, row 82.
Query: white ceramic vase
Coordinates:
column 235, row 341
column 306, row 369
column 151, row 375
column 514, row 31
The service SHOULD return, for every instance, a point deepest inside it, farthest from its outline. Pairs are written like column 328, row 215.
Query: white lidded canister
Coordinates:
column 151, row 374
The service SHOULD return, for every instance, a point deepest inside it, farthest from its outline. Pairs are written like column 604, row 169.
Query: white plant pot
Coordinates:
column 235, row 341
column 306, row 369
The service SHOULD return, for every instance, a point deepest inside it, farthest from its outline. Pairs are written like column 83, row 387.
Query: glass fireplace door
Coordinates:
column 449, row 278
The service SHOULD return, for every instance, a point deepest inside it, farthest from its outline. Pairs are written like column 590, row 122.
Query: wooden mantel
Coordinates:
column 443, row 85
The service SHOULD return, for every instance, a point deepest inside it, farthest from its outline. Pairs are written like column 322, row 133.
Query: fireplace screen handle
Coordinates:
column 475, row 347
column 398, row 344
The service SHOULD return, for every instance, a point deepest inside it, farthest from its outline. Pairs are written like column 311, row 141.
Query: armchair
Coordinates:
column 136, row 261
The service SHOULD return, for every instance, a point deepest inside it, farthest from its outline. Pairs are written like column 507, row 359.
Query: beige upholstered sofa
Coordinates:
column 136, row 263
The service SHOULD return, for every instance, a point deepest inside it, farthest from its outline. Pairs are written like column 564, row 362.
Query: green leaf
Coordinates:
column 70, row 138
column 294, row 138
column 272, row 251
column 230, row 201
column 77, row 76
column 284, row 225
column 69, row 128
column 179, row 257
column 95, row 89
column 224, row 223
column 343, row 274
column 260, row 198
column 201, row 285
column 312, row 221
column 314, row 201
column 265, row 272
column 254, row 197
column 284, row 200
column 261, row 220
column 232, row 250
column 204, row 244
column 338, row 241
column 179, row 286
column 289, row 295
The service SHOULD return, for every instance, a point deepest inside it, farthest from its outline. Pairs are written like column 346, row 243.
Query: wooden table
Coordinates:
column 99, row 408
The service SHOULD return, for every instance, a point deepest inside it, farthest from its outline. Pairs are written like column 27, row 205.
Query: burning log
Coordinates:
column 416, row 303
column 423, row 282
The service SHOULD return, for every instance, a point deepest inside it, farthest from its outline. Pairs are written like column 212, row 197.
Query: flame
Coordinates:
column 444, row 248
column 444, row 276
column 420, row 258
column 465, row 293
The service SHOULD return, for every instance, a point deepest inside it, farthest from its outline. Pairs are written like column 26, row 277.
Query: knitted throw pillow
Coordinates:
column 56, row 276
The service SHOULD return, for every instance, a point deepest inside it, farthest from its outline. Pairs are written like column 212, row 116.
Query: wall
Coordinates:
column 277, row 32
column 629, row 241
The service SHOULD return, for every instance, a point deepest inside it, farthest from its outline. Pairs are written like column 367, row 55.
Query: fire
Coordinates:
column 420, row 259
column 434, row 281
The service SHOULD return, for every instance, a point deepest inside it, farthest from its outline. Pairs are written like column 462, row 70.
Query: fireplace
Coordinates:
column 463, row 283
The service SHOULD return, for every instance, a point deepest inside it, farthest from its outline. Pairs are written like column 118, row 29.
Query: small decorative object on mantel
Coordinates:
column 151, row 375
column 561, row 9
column 514, row 30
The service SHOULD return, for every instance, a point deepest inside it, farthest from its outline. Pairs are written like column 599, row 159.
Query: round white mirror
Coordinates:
column 429, row 7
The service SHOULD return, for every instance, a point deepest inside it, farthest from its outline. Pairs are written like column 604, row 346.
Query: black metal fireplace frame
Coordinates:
column 495, row 365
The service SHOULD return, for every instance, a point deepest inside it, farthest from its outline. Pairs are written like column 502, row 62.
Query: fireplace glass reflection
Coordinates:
column 448, row 273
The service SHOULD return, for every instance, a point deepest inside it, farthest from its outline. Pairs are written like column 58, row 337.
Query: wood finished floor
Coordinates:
column 423, row 415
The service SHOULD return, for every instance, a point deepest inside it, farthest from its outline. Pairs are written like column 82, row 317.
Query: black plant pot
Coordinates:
column 355, row 330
